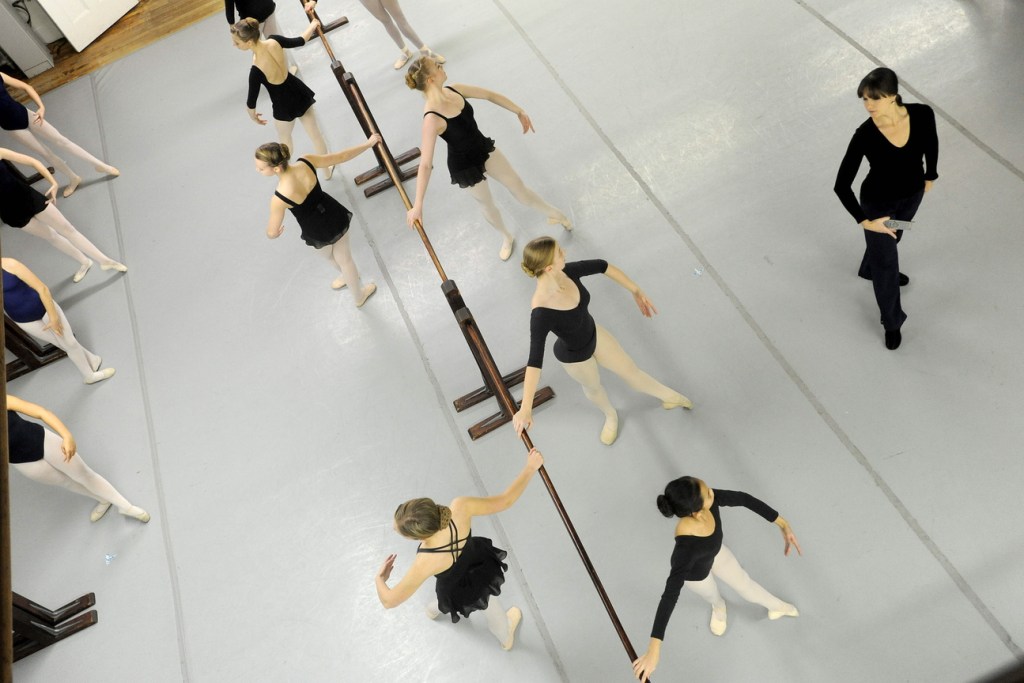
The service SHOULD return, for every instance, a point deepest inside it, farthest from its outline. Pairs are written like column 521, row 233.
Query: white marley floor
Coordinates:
column 271, row 428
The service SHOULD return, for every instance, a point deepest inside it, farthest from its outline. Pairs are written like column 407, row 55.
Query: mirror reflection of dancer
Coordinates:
column 559, row 305
column 392, row 18
column 323, row 220
column 469, row 569
column 14, row 118
column 27, row 301
column 894, row 187
column 22, row 206
column 700, row 557
column 291, row 98
column 45, row 457
column 448, row 114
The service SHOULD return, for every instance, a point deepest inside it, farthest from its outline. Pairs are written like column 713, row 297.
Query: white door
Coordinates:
column 82, row 21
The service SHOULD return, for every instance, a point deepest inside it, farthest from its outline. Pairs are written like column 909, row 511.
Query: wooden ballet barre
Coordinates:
column 405, row 157
column 36, row 627
column 489, row 369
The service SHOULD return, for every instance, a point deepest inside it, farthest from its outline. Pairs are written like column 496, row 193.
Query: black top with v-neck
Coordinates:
column 694, row 555
column 896, row 172
column 575, row 328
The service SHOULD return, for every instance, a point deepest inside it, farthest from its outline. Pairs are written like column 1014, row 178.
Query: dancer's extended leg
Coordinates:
column 502, row 623
column 312, row 126
column 500, row 169
column 708, row 590
column 392, row 7
column 728, row 569
column 26, row 138
column 57, row 241
column 284, row 135
column 376, row 8
column 610, row 354
column 52, row 217
column 85, row 361
column 341, row 253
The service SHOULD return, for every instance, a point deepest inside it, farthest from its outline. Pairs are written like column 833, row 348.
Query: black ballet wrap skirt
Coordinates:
column 466, row 166
column 467, row 586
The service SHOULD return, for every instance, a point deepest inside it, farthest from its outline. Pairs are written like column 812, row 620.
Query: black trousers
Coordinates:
column 881, row 262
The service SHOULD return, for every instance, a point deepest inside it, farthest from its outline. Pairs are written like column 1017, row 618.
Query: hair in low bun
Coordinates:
column 682, row 497
column 538, row 255
column 247, row 30
column 665, row 507
column 275, row 154
column 418, row 73
column 421, row 518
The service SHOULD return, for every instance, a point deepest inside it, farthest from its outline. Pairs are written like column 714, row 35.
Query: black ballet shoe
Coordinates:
column 893, row 339
column 904, row 280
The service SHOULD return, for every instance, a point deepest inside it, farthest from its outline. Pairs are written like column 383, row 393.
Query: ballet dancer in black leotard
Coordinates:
column 323, row 220
column 291, row 98
column 448, row 114
column 15, row 119
column 700, row 557
column 21, row 206
column 469, row 569
column 45, row 457
column 392, row 18
column 560, row 306
column 894, row 187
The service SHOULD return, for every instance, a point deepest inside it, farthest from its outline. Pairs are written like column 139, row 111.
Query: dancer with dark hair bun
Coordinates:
column 323, row 219
column 448, row 114
column 14, row 118
column 700, row 556
column 469, row 569
column 894, row 187
column 24, row 207
column 559, row 305
column 291, row 98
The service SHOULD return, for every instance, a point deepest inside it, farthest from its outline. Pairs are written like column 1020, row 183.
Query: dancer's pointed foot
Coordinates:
column 108, row 169
column 114, row 265
column 98, row 512
column 339, row 282
column 506, row 248
column 430, row 54
column 82, row 271
column 563, row 221
column 431, row 611
column 718, row 620
column 787, row 611
column 610, row 431
column 515, row 616
column 136, row 512
column 367, row 292
column 99, row 376
column 404, row 56
column 72, row 186
column 679, row 401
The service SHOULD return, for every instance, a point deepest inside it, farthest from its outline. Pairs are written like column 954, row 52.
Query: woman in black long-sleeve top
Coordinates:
column 700, row 556
column 894, row 140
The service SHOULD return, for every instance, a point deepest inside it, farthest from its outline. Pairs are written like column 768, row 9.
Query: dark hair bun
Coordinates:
column 665, row 507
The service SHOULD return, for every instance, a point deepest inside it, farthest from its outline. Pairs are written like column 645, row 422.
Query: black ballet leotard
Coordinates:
column 476, row 574
column 321, row 217
column 693, row 555
column 19, row 201
column 257, row 9
column 24, row 439
column 575, row 328
column 468, row 148
column 291, row 98
column 13, row 114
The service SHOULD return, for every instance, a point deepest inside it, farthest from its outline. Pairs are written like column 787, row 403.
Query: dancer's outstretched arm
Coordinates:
column 642, row 302
column 475, row 507
column 523, row 419
column 332, row 158
column 498, row 99
column 432, row 127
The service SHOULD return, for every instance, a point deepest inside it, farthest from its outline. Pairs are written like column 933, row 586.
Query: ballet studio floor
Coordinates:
column 271, row 428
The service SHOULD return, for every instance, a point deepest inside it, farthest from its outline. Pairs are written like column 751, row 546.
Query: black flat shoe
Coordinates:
column 904, row 280
column 893, row 339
